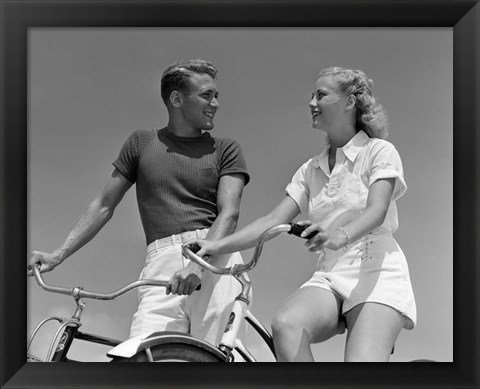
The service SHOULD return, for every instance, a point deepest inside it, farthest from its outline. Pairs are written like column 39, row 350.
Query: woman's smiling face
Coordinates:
column 327, row 105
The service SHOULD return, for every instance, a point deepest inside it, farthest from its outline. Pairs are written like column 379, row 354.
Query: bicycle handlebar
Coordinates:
column 78, row 292
column 292, row 228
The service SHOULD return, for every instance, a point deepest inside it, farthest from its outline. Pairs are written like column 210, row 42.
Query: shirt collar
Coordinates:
column 353, row 147
column 351, row 150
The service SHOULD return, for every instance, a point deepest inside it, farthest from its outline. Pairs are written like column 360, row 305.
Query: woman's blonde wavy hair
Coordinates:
column 371, row 117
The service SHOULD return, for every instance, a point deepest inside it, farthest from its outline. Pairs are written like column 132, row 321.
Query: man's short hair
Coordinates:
column 177, row 76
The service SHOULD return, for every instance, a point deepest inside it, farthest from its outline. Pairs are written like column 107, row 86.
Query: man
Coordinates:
column 189, row 185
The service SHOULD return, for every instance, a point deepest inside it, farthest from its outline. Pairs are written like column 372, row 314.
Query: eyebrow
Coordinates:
column 317, row 91
column 210, row 90
column 207, row 89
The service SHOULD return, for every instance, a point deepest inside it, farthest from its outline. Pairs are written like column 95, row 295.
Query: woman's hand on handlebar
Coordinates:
column 45, row 261
column 321, row 238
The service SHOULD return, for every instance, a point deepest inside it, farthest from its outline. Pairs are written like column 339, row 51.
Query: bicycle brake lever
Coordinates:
column 297, row 230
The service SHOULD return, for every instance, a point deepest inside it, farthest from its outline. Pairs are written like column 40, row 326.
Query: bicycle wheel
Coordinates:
column 173, row 352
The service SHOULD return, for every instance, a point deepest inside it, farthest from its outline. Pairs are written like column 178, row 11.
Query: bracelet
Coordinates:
column 342, row 230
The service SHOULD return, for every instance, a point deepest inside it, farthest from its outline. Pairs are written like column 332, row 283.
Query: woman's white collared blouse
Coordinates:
column 374, row 268
column 323, row 195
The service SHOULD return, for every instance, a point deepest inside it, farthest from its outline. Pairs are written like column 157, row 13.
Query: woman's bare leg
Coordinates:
column 309, row 315
column 372, row 331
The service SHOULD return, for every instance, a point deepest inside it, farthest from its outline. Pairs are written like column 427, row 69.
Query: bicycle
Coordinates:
column 167, row 346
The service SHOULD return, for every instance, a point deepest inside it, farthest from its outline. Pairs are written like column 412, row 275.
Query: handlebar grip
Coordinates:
column 297, row 230
column 194, row 247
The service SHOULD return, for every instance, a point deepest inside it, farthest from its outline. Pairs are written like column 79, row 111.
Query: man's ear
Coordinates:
column 350, row 102
column 176, row 99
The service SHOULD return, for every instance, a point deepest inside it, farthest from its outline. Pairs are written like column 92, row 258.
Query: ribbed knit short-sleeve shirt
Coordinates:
column 177, row 178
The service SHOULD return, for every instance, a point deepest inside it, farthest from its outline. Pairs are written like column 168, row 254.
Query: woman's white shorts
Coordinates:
column 374, row 269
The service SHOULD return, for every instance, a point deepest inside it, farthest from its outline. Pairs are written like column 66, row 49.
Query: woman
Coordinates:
column 349, row 193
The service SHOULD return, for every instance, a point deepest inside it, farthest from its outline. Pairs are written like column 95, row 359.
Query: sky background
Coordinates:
column 90, row 88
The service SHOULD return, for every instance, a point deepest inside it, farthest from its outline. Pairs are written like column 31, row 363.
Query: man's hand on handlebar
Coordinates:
column 203, row 248
column 46, row 261
column 186, row 281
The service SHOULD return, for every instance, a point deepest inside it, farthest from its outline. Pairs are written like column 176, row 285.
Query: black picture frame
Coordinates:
column 17, row 16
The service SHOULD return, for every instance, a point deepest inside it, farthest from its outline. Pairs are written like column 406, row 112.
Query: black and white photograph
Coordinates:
column 95, row 98
column 242, row 194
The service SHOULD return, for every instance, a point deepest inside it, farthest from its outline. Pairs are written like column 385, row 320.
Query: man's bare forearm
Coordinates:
column 89, row 224
column 224, row 225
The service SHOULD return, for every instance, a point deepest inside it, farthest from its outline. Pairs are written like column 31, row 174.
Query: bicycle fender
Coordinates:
column 127, row 348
